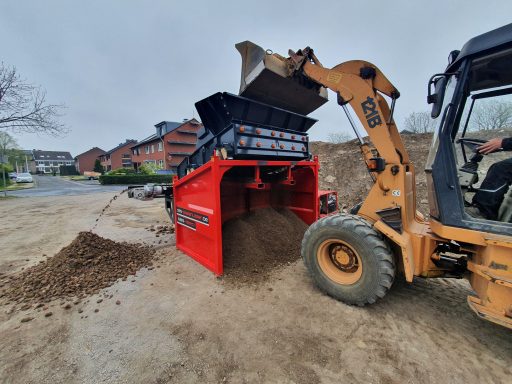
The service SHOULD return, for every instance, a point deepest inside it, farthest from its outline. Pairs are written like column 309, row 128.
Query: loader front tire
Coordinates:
column 348, row 259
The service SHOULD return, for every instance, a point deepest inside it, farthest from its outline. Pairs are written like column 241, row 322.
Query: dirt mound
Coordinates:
column 257, row 243
column 85, row 266
column 342, row 169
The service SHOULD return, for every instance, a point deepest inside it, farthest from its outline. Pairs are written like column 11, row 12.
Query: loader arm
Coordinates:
column 390, row 206
column 360, row 84
column 391, row 203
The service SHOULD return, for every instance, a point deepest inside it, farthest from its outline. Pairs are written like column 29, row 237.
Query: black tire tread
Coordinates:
column 373, row 239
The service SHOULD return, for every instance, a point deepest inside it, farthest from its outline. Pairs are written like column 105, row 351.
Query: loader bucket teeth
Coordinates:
column 271, row 79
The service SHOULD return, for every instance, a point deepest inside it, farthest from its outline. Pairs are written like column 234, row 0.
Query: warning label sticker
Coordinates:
column 335, row 77
column 189, row 218
column 186, row 222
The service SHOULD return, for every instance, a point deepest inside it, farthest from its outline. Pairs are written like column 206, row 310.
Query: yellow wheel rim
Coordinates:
column 339, row 261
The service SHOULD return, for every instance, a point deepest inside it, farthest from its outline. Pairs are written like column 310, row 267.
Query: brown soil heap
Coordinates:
column 257, row 243
column 342, row 169
column 85, row 266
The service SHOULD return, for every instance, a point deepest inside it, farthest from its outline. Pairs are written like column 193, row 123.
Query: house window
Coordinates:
column 147, row 149
column 160, row 147
column 161, row 163
column 152, row 148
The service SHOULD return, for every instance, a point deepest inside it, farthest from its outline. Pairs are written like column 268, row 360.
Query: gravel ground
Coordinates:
column 177, row 323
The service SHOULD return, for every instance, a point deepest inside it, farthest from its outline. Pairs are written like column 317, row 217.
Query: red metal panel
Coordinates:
column 199, row 193
column 211, row 195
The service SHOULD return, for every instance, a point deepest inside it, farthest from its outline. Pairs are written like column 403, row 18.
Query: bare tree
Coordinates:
column 23, row 106
column 419, row 122
column 492, row 114
column 338, row 137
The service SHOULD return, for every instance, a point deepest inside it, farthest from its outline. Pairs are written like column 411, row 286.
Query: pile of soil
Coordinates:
column 87, row 265
column 259, row 242
column 342, row 169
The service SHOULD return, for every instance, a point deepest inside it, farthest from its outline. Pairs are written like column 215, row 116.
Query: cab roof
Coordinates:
column 488, row 42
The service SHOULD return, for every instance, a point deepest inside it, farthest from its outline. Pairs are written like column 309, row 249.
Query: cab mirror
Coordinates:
column 437, row 83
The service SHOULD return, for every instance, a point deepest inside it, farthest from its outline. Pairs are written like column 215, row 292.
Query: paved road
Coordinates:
column 55, row 186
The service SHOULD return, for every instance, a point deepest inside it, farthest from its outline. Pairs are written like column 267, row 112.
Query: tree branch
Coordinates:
column 23, row 106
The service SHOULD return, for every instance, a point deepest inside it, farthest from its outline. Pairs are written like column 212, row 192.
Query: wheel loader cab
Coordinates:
column 476, row 87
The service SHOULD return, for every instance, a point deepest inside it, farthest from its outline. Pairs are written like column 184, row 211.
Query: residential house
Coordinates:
column 84, row 162
column 118, row 157
column 167, row 148
column 50, row 161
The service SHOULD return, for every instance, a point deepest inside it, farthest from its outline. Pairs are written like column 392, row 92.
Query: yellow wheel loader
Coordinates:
column 355, row 257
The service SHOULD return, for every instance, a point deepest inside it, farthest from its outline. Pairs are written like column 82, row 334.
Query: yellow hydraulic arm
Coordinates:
column 393, row 196
column 358, row 83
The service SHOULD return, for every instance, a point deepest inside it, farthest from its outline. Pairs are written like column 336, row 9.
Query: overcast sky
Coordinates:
column 122, row 66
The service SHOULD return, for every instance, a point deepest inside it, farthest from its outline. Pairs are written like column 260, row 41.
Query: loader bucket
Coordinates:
column 267, row 77
column 221, row 190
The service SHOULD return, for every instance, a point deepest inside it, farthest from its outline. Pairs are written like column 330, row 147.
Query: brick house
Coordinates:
column 50, row 161
column 171, row 143
column 85, row 161
column 118, row 157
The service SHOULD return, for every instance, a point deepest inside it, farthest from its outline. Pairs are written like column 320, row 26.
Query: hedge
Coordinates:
column 122, row 171
column 134, row 179
column 68, row 170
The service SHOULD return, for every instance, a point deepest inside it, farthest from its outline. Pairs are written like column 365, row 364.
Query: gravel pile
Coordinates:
column 257, row 243
column 87, row 265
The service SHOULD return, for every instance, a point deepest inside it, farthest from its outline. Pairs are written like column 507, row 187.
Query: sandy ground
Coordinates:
column 178, row 323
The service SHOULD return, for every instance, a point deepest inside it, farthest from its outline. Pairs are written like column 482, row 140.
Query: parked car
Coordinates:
column 13, row 175
column 24, row 178
column 92, row 175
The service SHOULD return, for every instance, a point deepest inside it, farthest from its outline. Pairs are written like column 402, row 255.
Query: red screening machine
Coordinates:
column 250, row 156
